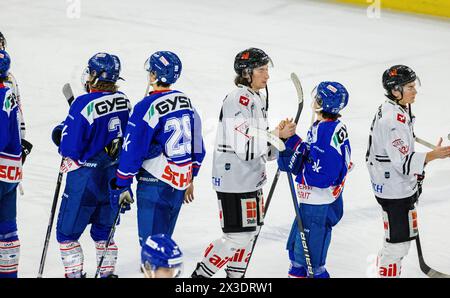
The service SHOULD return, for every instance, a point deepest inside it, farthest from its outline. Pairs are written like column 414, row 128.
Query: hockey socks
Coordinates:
column 227, row 249
column 389, row 261
column 110, row 260
column 237, row 265
column 9, row 256
column 9, row 250
column 72, row 258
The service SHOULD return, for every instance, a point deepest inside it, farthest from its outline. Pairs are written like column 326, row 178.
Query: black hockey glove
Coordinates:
column 420, row 179
column 26, row 149
column 56, row 134
column 113, row 148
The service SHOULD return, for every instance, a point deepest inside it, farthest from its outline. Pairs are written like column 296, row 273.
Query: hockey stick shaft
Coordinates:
column 300, row 226
column 50, row 222
column 425, row 143
column 67, row 91
column 108, row 242
column 299, row 90
column 424, row 267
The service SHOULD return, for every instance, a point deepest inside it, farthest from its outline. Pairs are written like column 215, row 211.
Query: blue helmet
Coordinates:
column 331, row 97
column 5, row 62
column 161, row 251
column 104, row 67
column 165, row 65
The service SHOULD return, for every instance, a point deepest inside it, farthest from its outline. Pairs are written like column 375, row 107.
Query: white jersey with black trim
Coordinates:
column 391, row 158
column 11, row 83
column 239, row 160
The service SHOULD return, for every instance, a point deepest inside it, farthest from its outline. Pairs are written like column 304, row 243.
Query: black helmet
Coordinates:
column 249, row 59
column 397, row 76
column 2, row 42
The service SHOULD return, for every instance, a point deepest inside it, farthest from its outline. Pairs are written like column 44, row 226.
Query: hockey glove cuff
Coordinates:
column 289, row 161
column 26, row 149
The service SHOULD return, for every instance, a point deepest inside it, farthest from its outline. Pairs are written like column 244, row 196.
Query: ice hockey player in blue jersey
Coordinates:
column 10, row 173
column 320, row 165
column 161, row 257
column 163, row 147
column 90, row 140
column 11, row 83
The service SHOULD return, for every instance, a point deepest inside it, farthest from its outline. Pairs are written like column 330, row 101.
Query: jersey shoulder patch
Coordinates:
column 339, row 136
column 242, row 96
column 10, row 102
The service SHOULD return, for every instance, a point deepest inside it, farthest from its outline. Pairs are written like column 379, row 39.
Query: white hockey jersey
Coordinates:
column 239, row 160
column 11, row 83
column 391, row 158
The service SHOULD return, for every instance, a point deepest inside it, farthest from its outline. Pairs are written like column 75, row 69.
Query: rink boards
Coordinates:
column 440, row 8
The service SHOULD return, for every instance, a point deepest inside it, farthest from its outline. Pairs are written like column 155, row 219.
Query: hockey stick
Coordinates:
column 68, row 94
column 301, row 229
column 424, row 267
column 299, row 89
column 267, row 136
column 425, row 143
column 108, row 242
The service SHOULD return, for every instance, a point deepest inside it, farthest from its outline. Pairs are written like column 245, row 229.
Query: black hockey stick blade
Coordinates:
column 68, row 93
column 430, row 272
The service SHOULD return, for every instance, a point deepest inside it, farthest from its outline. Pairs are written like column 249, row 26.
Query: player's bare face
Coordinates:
column 260, row 77
column 409, row 93
column 162, row 272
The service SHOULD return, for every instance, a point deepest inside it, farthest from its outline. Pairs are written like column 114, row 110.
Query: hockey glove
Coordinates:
column 420, row 179
column 56, row 134
column 120, row 197
column 153, row 151
column 290, row 161
column 26, row 149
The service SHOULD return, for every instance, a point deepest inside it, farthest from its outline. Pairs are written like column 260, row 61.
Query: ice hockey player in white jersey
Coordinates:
column 11, row 83
column 396, row 169
column 239, row 166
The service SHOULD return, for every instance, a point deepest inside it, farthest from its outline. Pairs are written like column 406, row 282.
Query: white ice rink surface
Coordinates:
column 318, row 41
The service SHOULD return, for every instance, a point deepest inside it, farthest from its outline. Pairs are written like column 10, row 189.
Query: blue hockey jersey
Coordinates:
column 10, row 147
column 321, row 163
column 94, row 120
column 166, row 119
